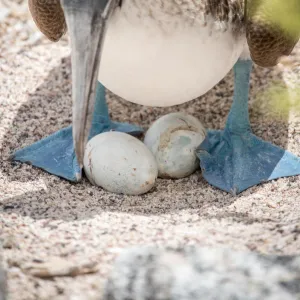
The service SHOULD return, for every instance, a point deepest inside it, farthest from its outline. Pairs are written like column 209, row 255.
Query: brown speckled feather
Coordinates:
column 231, row 11
column 49, row 18
column 267, row 40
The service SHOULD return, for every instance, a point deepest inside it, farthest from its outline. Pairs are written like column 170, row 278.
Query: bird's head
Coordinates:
column 86, row 21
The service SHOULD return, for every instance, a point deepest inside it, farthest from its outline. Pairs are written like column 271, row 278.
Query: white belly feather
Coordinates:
column 166, row 64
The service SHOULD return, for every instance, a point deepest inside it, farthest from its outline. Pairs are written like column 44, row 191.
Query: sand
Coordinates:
column 43, row 217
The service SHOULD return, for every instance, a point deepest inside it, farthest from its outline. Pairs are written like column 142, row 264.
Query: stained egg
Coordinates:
column 120, row 163
column 173, row 140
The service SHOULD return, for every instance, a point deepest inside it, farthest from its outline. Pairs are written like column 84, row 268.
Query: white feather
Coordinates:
column 167, row 60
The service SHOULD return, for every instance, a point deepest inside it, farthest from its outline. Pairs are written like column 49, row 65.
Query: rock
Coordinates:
column 173, row 140
column 120, row 163
column 201, row 273
column 57, row 266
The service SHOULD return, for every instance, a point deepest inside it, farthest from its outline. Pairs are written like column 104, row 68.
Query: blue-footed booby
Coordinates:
column 162, row 53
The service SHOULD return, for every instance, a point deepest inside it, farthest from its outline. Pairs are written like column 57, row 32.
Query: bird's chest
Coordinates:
column 166, row 52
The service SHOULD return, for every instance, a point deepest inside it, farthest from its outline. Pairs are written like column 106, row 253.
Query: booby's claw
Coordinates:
column 55, row 153
column 234, row 162
column 235, row 159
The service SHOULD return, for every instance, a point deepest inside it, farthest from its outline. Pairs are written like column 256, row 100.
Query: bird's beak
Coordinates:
column 86, row 21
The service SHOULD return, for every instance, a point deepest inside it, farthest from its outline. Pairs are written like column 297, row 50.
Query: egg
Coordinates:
column 173, row 140
column 120, row 163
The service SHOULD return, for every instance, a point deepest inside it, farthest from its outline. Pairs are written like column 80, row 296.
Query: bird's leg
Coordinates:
column 234, row 159
column 55, row 153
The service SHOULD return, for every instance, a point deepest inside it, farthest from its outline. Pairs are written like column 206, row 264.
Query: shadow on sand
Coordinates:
column 49, row 109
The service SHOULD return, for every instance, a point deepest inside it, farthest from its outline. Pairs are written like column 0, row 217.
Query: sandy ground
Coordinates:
column 43, row 217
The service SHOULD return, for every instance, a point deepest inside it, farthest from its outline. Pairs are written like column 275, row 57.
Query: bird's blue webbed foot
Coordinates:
column 55, row 153
column 234, row 159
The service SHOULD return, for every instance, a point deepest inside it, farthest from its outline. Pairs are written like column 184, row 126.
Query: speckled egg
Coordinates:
column 173, row 140
column 120, row 163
